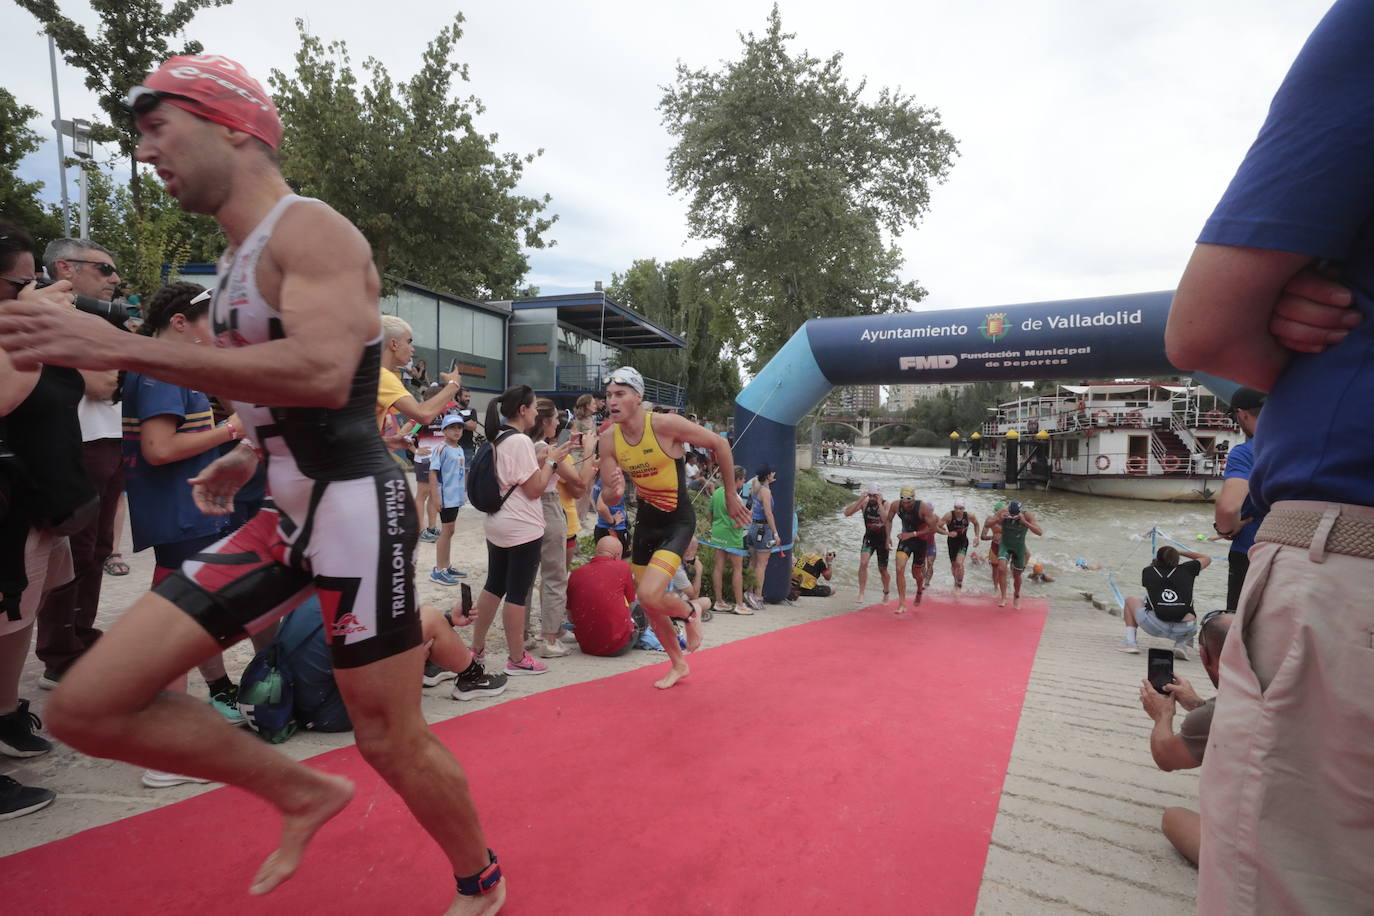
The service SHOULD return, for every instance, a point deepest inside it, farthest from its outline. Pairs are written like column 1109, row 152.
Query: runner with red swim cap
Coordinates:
column 297, row 325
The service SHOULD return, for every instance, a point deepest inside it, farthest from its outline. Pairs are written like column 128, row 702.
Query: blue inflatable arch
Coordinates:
column 1109, row 337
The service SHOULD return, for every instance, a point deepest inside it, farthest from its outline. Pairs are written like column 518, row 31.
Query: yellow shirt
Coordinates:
column 390, row 389
column 657, row 477
column 568, row 501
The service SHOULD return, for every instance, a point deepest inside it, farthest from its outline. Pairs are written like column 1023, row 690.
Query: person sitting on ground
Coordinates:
column 600, row 593
column 808, row 571
column 450, row 471
column 687, row 579
column 449, row 658
column 693, row 469
column 1167, row 609
column 1184, row 750
column 610, row 520
column 727, row 539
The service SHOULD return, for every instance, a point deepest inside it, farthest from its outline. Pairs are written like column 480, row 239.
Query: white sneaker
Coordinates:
column 569, row 637
column 156, row 779
column 1180, row 651
column 553, row 649
column 1129, row 648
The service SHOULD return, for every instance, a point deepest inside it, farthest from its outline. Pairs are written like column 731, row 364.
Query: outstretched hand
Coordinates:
column 214, row 488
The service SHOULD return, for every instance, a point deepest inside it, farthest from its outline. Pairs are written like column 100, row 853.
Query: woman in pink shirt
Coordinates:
column 516, row 529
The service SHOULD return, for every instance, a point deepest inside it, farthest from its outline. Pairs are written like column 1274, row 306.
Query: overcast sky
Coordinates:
column 1095, row 137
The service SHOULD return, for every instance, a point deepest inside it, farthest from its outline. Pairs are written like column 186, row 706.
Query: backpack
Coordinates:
column 484, row 487
column 290, row 684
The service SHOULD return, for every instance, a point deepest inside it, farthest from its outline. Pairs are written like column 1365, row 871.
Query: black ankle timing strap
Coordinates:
column 484, row 882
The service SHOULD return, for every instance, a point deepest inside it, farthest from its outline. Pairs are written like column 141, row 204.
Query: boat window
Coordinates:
column 1072, row 448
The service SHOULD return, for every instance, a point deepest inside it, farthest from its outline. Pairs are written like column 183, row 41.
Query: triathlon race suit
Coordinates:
column 1014, row 541
column 665, row 523
column 339, row 522
column 875, row 534
column 958, row 535
column 916, row 547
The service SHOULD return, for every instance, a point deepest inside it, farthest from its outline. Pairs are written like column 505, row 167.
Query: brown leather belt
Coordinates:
column 1319, row 532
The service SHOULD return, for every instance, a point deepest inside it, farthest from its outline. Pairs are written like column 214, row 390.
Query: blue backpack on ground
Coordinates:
column 484, row 488
column 290, row 684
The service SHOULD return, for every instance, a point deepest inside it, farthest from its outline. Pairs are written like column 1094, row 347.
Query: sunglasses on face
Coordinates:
column 106, row 269
column 18, row 282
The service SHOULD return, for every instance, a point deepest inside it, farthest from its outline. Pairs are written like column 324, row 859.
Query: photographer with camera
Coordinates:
column 66, row 621
column 45, row 495
column 1184, row 750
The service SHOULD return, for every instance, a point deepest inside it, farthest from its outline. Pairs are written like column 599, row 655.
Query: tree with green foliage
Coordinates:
column 19, row 199
column 132, row 40
column 165, row 236
column 673, row 296
column 798, row 182
column 406, row 164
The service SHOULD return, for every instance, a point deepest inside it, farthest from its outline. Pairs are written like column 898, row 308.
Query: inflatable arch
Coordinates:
column 1108, row 337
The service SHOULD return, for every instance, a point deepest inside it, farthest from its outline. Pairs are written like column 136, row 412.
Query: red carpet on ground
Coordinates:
column 849, row 765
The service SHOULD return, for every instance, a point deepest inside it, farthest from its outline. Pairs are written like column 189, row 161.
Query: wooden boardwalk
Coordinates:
column 1078, row 828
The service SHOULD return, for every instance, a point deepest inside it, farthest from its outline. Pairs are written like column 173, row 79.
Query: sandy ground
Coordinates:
column 1078, row 825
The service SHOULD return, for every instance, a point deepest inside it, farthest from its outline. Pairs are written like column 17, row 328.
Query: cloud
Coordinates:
column 1095, row 138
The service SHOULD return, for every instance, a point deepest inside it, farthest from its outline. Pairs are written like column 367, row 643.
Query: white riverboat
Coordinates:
column 1130, row 440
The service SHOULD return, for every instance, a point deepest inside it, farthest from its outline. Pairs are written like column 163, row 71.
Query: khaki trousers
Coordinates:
column 553, row 566
column 1287, row 792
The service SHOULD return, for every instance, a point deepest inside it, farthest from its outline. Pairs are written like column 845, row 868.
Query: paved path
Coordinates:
column 1078, row 828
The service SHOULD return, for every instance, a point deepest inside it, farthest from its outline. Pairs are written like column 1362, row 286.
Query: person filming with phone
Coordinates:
column 1183, row 750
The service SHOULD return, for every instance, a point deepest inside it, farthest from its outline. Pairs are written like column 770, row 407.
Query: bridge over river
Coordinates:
column 962, row 469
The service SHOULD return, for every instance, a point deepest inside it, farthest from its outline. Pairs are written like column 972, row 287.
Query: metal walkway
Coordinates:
column 960, row 469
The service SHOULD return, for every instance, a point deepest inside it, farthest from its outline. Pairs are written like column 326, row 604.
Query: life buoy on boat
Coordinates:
column 1135, row 418
column 1103, row 462
column 1214, row 418
column 1102, row 412
column 1135, row 464
column 1171, row 462
column 1059, row 464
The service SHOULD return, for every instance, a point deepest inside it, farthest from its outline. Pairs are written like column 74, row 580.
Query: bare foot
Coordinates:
column 1003, row 602
column 678, row 672
column 479, row 906
column 1016, row 603
column 298, row 827
column 695, row 631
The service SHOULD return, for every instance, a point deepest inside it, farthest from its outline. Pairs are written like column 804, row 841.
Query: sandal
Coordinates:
column 115, row 565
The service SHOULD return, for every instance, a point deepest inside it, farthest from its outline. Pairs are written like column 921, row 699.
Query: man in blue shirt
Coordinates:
column 1236, row 516
column 1287, row 812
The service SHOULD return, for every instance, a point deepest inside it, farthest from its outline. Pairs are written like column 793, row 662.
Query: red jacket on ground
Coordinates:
column 599, row 598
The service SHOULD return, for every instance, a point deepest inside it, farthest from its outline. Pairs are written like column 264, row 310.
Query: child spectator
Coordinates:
column 450, row 470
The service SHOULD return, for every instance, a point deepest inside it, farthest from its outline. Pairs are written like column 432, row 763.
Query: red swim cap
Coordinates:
column 217, row 89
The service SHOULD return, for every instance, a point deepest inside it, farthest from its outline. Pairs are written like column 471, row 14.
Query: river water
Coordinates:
column 1111, row 533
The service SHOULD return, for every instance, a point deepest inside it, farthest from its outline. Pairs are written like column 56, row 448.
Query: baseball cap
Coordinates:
column 212, row 87
column 1247, row 399
column 451, row 420
column 625, row 375
column 908, row 492
column 1014, row 507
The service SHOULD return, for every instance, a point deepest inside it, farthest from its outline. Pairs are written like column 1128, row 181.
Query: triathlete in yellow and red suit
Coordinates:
column 666, row 521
